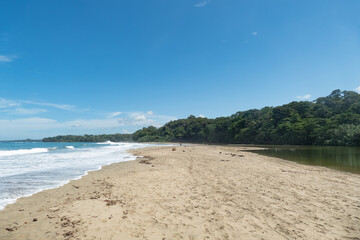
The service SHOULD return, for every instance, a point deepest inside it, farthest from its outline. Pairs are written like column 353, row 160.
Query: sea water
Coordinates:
column 30, row 167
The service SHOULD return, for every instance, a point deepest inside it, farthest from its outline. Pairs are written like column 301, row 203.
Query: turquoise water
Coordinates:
column 31, row 145
column 339, row 158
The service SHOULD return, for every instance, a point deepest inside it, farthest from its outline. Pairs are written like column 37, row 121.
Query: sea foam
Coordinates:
column 24, row 172
column 4, row 153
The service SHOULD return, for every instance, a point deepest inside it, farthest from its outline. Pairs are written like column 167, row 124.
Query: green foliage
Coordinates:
column 346, row 134
column 91, row 138
column 331, row 120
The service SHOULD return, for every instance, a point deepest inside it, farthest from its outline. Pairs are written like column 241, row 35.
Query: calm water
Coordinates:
column 339, row 158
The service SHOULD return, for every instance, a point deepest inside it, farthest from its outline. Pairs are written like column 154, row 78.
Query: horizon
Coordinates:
column 130, row 133
column 94, row 67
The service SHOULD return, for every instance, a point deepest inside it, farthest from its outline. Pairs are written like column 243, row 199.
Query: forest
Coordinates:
column 91, row 138
column 330, row 120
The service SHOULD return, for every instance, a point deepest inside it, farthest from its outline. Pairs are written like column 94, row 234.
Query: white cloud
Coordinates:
column 20, row 107
column 36, row 127
column 202, row 116
column 150, row 113
column 4, row 103
column 201, row 4
column 138, row 116
column 66, row 107
column 254, row 33
column 305, row 97
column 357, row 89
column 26, row 123
column 114, row 114
column 24, row 111
column 132, row 119
column 4, row 58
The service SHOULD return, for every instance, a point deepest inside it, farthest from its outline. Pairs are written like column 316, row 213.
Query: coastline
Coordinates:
column 195, row 192
column 63, row 179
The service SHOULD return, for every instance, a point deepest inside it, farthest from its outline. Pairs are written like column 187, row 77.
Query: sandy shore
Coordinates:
column 195, row 192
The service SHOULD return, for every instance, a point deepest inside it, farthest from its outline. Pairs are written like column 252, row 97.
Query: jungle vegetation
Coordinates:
column 91, row 138
column 330, row 120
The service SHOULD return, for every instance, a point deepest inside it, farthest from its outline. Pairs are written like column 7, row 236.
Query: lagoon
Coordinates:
column 340, row 158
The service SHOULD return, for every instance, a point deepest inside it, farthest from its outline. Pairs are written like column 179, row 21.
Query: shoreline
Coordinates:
column 193, row 193
column 64, row 182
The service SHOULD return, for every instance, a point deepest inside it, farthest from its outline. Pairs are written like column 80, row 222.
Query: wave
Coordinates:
column 69, row 147
column 4, row 153
column 26, row 174
column 108, row 143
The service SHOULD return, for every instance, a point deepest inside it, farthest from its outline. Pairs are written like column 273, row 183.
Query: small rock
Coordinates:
column 35, row 219
column 11, row 229
column 54, row 209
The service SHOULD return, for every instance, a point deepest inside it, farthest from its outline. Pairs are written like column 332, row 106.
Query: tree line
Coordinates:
column 91, row 138
column 330, row 120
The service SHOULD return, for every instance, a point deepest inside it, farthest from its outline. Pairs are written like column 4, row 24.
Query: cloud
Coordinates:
column 254, row 33
column 21, row 107
column 131, row 119
column 201, row 4
column 4, row 103
column 66, row 107
column 37, row 127
column 305, row 97
column 24, row 111
column 138, row 116
column 114, row 114
column 7, row 59
column 357, row 89
column 201, row 116
column 26, row 123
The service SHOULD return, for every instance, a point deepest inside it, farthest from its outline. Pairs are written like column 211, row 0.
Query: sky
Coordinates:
column 109, row 66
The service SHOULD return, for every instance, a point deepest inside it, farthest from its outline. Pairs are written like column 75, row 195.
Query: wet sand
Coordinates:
column 194, row 192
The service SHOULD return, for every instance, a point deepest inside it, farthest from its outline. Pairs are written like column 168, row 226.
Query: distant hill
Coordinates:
column 91, row 138
column 330, row 120
column 23, row 140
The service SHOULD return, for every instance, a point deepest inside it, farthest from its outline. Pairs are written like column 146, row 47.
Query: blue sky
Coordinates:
column 91, row 66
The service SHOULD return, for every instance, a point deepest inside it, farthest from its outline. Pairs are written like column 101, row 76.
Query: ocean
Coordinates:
column 29, row 167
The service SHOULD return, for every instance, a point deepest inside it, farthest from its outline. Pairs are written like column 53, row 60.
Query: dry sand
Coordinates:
column 195, row 192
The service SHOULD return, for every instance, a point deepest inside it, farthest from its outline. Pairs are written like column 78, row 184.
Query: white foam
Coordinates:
column 111, row 143
column 26, row 174
column 5, row 153
column 107, row 142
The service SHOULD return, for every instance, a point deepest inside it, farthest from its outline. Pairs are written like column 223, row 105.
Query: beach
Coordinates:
column 193, row 192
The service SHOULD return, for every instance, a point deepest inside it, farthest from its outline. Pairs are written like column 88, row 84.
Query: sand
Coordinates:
column 195, row 192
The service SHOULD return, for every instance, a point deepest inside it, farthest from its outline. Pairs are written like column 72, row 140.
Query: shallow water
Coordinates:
column 340, row 158
column 29, row 167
